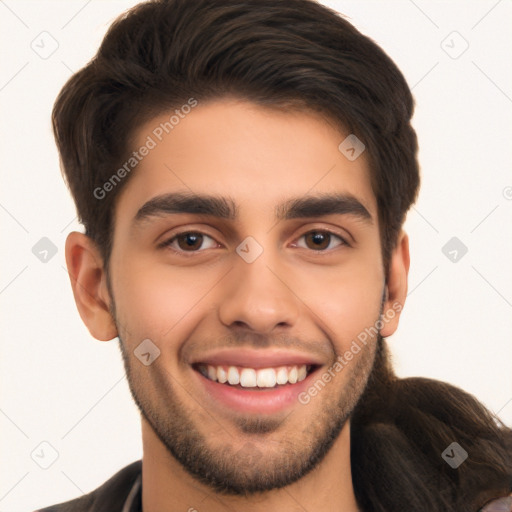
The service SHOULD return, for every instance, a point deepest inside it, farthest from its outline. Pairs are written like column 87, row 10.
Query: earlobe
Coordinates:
column 396, row 288
column 89, row 284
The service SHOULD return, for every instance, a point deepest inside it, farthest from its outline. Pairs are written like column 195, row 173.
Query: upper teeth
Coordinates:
column 251, row 377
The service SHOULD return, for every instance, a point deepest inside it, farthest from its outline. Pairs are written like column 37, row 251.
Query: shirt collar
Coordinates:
column 133, row 502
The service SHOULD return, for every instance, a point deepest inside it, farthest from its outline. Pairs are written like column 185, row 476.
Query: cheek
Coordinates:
column 345, row 301
column 159, row 302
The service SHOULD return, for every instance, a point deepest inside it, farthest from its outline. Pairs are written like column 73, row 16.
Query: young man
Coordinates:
column 243, row 170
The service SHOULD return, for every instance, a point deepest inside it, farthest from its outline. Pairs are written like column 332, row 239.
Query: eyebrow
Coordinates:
column 225, row 208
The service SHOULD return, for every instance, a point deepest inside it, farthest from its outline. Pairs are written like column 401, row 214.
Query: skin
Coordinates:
column 293, row 295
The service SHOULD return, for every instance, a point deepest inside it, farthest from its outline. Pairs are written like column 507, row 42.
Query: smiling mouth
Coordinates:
column 255, row 378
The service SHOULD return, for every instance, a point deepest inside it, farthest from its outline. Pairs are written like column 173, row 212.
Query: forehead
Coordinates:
column 256, row 157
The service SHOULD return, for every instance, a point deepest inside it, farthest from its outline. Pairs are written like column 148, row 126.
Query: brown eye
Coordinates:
column 189, row 241
column 321, row 240
column 318, row 240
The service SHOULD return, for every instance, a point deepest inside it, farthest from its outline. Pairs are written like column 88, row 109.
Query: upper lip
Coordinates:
column 262, row 358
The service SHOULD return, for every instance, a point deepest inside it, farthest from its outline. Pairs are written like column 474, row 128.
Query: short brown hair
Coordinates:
column 294, row 54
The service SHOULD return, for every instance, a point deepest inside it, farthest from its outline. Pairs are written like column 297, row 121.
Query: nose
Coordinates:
column 259, row 296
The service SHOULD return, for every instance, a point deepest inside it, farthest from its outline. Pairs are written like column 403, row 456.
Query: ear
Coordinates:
column 396, row 287
column 89, row 284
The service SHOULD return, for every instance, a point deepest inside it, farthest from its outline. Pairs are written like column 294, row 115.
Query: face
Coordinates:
column 246, row 247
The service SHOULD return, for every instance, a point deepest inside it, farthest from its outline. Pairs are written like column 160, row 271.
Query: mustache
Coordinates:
column 254, row 340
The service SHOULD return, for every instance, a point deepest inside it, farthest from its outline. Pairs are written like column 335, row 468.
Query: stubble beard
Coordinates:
column 229, row 469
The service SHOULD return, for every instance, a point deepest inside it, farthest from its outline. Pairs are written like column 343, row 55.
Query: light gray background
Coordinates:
column 62, row 387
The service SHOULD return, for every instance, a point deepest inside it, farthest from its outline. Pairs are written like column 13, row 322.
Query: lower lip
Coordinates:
column 264, row 401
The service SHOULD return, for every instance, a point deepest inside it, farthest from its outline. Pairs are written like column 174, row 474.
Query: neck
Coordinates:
column 167, row 486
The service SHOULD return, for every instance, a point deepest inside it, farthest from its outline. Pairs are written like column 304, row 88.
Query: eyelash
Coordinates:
column 167, row 243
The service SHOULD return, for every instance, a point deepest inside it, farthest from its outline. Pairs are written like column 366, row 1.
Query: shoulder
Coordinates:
column 109, row 497
column 499, row 505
